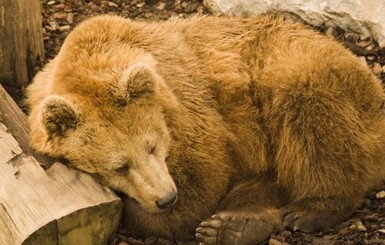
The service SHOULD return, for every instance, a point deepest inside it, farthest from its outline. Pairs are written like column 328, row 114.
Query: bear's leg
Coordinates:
column 248, row 216
column 325, row 155
column 319, row 214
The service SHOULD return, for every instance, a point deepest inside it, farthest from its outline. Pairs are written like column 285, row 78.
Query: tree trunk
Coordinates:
column 21, row 40
column 54, row 206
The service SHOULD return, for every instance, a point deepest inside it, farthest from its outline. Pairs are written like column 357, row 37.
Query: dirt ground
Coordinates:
column 365, row 226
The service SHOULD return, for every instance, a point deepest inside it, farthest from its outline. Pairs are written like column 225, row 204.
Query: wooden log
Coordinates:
column 54, row 206
column 17, row 123
column 21, row 40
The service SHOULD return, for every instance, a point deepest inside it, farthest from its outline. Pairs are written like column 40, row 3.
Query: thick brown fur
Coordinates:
column 264, row 121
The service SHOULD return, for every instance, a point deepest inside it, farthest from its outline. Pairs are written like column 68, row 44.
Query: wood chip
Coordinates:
column 64, row 28
column 358, row 226
column 160, row 6
column 381, row 231
column 140, row 5
column 364, row 43
column 377, row 68
column 380, row 195
column 70, row 18
column 123, row 243
column 352, row 37
column 112, row 4
column 363, row 60
column 273, row 241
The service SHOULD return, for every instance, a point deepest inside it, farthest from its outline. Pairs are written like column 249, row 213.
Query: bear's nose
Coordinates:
column 167, row 201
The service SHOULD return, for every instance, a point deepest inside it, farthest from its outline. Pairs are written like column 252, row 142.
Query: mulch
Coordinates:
column 365, row 226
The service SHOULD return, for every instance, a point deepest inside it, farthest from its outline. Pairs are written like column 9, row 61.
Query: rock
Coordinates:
column 366, row 18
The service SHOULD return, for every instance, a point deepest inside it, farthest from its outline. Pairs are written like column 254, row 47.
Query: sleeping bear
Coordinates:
column 220, row 128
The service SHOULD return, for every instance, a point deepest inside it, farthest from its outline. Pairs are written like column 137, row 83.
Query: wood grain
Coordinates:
column 54, row 206
column 21, row 40
column 17, row 123
column 58, row 204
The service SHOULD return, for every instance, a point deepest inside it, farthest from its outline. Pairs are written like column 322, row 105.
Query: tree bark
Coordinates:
column 21, row 40
column 54, row 206
column 17, row 123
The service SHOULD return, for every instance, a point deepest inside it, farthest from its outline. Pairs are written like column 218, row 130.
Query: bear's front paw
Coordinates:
column 233, row 228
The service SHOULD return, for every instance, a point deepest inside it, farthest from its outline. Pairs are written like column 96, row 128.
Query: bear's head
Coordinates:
column 118, row 133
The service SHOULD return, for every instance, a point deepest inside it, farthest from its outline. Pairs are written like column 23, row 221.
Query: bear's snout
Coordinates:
column 167, row 201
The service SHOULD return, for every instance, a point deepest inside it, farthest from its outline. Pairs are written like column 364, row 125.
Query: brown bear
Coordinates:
column 260, row 122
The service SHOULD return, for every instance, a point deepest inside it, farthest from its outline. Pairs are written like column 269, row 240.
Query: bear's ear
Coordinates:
column 138, row 80
column 58, row 116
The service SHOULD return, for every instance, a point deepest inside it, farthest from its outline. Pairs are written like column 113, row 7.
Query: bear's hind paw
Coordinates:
column 312, row 220
column 233, row 228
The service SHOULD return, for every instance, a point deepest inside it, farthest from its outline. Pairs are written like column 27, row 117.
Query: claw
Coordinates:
column 215, row 223
column 207, row 231
column 207, row 240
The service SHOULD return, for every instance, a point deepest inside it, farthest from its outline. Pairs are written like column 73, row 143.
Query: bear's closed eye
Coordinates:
column 150, row 148
column 123, row 169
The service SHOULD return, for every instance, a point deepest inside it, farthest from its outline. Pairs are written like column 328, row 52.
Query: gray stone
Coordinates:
column 365, row 17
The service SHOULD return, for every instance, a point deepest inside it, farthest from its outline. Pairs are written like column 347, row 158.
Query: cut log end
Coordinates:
column 55, row 206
